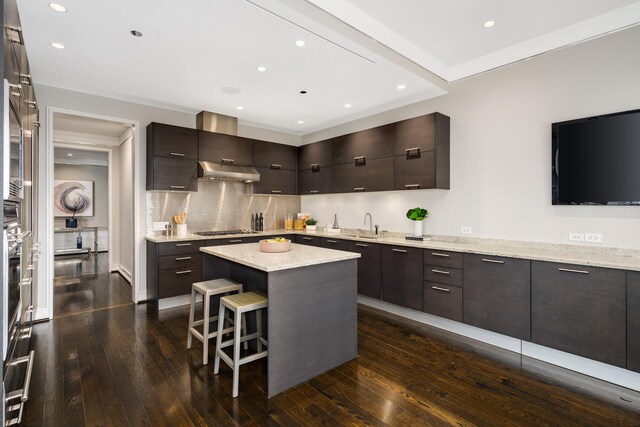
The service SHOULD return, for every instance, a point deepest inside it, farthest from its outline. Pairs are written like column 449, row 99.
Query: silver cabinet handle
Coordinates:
column 438, row 288
column 227, row 161
column 408, row 150
column 440, row 255
column 399, row 250
column 183, row 258
column 183, row 272
column 183, row 244
column 441, row 272
column 177, row 154
column 332, row 241
column 359, row 159
column 26, row 282
column 358, row 188
column 307, row 238
column 313, row 191
column 493, row 261
column 235, row 240
column 412, row 186
column 177, row 187
column 570, row 270
column 17, row 30
column 275, row 166
column 26, row 80
column 314, row 165
column 362, row 245
column 276, row 191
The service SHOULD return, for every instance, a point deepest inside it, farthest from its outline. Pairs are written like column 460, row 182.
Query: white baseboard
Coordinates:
column 602, row 371
column 125, row 273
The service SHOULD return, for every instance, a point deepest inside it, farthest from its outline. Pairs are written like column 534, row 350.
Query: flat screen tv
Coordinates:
column 596, row 160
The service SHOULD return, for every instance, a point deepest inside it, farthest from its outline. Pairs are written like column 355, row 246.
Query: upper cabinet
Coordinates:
column 277, row 164
column 172, row 162
column 358, row 147
column 421, row 150
column 315, row 173
column 316, row 155
column 225, row 149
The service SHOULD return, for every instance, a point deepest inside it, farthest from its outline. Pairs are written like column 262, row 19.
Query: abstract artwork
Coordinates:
column 72, row 198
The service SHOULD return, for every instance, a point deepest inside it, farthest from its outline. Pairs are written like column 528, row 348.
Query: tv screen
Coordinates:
column 596, row 160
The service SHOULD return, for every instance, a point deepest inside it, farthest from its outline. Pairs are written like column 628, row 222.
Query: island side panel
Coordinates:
column 312, row 322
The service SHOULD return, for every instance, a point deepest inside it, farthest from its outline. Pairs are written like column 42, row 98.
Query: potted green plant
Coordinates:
column 311, row 224
column 417, row 215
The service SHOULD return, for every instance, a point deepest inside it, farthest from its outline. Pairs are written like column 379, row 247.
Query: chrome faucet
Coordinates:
column 370, row 223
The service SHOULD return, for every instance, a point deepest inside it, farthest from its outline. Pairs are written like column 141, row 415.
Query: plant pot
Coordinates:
column 71, row 222
column 311, row 228
column 419, row 228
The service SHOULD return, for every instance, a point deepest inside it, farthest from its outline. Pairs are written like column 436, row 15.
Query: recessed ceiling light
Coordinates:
column 136, row 33
column 239, row 107
column 57, row 7
column 347, row 105
column 303, row 92
column 402, row 87
column 300, row 122
column 57, row 45
column 69, row 154
column 489, row 24
column 262, row 69
column 300, row 43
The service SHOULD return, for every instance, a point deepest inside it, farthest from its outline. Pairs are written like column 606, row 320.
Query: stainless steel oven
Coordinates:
column 13, row 144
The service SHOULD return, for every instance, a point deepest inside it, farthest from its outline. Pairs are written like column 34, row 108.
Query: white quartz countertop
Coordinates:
column 627, row 259
column 299, row 256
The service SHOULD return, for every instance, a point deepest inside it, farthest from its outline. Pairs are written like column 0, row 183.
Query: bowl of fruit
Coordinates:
column 277, row 244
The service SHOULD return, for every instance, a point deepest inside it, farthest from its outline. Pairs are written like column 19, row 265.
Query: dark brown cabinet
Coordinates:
column 443, row 284
column 580, row 310
column 308, row 240
column 236, row 240
column 224, row 149
column 374, row 143
column 633, row 321
column 315, row 181
column 316, row 155
column 172, row 267
column 369, row 175
column 275, row 156
column 369, row 268
column 172, row 158
column 497, row 294
column 421, row 150
column 402, row 276
column 337, row 244
column 275, row 181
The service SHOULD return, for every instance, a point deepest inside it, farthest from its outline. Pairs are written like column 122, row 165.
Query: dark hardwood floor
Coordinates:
column 128, row 365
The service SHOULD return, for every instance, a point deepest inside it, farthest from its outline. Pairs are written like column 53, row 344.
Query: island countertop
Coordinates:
column 299, row 256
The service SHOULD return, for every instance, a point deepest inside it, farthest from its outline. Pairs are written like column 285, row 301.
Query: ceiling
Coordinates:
column 88, row 131
column 205, row 56
column 62, row 155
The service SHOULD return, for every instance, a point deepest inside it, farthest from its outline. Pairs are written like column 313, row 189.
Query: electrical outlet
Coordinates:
column 158, row 226
column 576, row 237
column 465, row 230
column 593, row 237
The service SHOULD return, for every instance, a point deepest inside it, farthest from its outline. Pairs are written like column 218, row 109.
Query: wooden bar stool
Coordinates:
column 240, row 304
column 207, row 290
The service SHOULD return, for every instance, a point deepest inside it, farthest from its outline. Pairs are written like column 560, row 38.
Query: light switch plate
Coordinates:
column 159, row 226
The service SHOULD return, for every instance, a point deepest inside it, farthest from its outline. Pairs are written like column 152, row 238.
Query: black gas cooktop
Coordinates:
column 223, row 232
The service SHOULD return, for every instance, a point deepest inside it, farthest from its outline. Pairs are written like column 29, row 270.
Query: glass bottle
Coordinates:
column 288, row 221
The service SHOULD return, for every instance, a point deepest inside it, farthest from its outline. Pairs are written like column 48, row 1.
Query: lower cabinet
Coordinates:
column 580, row 310
column 172, row 267
column 633, row 321
column 443, row 284
column 327, row 242
column 369, row 268
column 497, row 294
column 402, row 276
column 307, row 240
column 236, row 240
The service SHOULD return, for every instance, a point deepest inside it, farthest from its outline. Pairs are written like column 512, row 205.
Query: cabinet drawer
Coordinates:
column 330, row 243
column 316, row 154
column 580, row 310
column 443, row 275
column 272, row 155
column 236, row 240
column 176, row 282
column 373, row 175
column 308, row 240
column 173, row 141
column 179, row 248
column 444, row 301
column 171, row 262
column 443, row 258
column 275, row 181
column 633, row 321
column 315, row 181
column 374, row 143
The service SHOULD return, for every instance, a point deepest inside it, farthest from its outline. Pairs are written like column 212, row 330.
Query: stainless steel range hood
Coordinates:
column 213, row 122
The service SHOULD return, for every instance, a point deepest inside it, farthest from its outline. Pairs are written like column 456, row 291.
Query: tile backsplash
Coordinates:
column 219, row 205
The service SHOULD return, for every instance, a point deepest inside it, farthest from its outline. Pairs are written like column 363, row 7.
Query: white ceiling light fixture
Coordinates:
column 402, row 87
column 262, row 69
column 300, row 43
column 239, row 107
column 57, row 45
column 300, row 122
column 57, row 7
column 70, row 154
column 347, row 105
column 489, row 24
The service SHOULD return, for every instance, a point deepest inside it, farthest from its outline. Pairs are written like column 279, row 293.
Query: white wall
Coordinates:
column 125, row 208
column 501, row 149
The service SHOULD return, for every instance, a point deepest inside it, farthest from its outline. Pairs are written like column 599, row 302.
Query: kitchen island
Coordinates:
column 312, row 314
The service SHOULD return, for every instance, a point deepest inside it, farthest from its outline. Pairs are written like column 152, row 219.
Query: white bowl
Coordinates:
column 267, row 246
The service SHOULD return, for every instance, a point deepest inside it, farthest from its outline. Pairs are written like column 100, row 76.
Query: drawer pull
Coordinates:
column 235, row 240
column 570, row 270
column 177, row 187
column 402, row 251
column 182, row 244
column 412, row 186
column 439, row 254
column 315, row 167
column 276, row 191
column 408, row 150
column 441, row 272
column 183, row 258
column 493, row 261
column 227, row 161
column 437, row 288
column 360, row 160
column 358, row 188
column 177, row 154
column 307, row 238
column 275, row 166
column 362, row 245
column 183, row 272
column 313, row 191
column 332, row 241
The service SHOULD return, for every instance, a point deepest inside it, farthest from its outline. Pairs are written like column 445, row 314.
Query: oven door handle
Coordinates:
column 23, row 236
